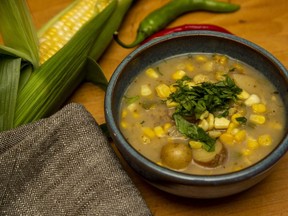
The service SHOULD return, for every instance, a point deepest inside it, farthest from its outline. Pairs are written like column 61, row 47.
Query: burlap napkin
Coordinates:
column 64, row 165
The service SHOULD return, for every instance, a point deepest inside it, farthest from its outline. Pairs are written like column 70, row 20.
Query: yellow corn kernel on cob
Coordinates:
column 53, row 82
column 53, row 37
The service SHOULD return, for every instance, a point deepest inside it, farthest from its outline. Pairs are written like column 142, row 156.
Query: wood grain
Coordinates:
column 263, row 22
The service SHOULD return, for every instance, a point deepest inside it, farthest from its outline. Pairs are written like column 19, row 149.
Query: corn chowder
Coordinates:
column 202, row 114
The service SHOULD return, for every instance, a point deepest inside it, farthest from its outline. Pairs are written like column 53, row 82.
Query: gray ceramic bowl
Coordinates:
column 177, row 183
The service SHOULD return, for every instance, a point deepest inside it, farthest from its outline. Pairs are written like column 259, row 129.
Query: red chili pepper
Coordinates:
column 187, row 27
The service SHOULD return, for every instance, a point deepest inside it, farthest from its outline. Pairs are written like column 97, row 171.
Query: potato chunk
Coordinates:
column 210, row 159
column 176, row 155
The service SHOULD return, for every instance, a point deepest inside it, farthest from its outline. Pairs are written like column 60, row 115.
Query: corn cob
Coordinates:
column 43, row 90
column 55, row 34
column 51, row 84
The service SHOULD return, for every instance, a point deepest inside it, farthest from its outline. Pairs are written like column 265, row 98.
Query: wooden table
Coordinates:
column 263, row 22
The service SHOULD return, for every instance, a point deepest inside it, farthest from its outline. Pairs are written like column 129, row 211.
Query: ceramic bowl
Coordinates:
column 195, row 186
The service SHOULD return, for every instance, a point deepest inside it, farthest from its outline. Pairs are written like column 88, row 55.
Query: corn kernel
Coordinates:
column 204, row 115
column 257, row 119
column 252, row 143
column 221, row 123
column 210, row 120
column 201, row 58
column 203, row 124
column 231, row 127
column 179, row 74
column 234, row 131
column 195, row 144
column 146, row 90
column 124, row 113
column 132, row 107
column 252, row 99
column 151, row 73
column 163, row 91
column 159, row 131
column 240, row 136
column 265, row 140
column 221, row 59
column 189, row 84
column 234, row 118
column 246, row 152
column 170, row 103
column 167, row 126
column 219, row 75
column 259, row 108
column 148, row 132
column 200, row 78
column 243, row 95
column 226, row 139
column 123, row 124
column 214, row 133
column 172, row 88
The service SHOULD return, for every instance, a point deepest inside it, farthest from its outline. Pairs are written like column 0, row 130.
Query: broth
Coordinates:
column 237, row 135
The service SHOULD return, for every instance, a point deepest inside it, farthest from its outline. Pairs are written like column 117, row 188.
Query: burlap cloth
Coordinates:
column 64, row 165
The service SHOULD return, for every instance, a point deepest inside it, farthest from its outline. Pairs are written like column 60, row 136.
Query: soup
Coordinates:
column 202, row 114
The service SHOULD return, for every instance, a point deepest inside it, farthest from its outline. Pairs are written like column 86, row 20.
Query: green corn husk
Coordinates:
column 110, row 27
column 53, row 82
column 9, row 79
column 18, row 32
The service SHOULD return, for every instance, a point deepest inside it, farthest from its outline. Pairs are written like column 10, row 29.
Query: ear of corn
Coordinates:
column 66, row 24
column 18, row 32
column 57, row 78
column 72, row 55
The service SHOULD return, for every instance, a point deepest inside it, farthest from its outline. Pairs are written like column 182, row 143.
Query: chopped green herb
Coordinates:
column 241, row 120
column 194, row 132
column 130, row 100
column 205, row 96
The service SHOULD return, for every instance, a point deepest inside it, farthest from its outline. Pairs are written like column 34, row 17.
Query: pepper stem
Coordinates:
column 136, row 42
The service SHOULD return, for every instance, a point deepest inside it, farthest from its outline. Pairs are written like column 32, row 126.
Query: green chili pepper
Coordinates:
column 161, row 17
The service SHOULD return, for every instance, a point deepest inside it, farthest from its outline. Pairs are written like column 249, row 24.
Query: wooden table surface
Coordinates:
column 263, row 22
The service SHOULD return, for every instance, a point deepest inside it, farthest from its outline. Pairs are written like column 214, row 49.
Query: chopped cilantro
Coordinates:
column 194, row 132
column 193, row 101
column 130, row 100
column 241, row 120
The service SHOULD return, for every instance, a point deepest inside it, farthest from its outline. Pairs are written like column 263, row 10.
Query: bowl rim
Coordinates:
column 262, row 166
